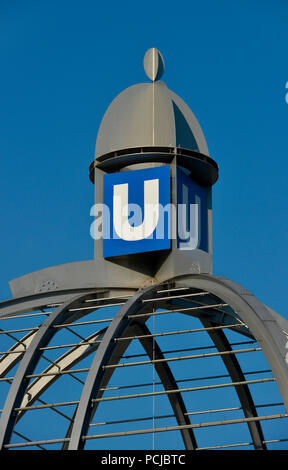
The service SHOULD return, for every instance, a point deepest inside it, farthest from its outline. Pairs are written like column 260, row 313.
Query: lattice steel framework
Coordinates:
column 236, row 342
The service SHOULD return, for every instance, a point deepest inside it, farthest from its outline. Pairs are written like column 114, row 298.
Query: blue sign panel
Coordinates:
column 192, row 214
column 136, row 218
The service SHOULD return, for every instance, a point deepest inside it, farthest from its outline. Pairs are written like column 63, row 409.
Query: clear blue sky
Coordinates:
column 62, row 63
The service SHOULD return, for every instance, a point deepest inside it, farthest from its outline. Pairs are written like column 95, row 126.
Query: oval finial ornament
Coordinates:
column 153, row 64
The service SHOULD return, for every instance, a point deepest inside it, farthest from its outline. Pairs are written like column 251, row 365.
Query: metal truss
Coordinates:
column 220, row 305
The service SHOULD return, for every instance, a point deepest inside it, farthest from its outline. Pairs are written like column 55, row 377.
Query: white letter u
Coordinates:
column 121, row 223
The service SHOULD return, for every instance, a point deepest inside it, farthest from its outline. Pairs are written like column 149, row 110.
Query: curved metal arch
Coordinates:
column 167, row 378
column 28, row 364
column 107, row 349
column 263, row 324
column 62, row 363
column 23, row 305
column 8, row 360
column 259, row 319
column 20, row 305
column 68, row 359
column 107, row 352
column 120, row 350
column 165, row 374
column 234, row 369
column 209, row 319
column 29, row 303
column 221, row 316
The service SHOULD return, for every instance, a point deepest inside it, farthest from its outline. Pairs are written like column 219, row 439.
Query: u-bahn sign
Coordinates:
column 192, row 214
column 138, row 215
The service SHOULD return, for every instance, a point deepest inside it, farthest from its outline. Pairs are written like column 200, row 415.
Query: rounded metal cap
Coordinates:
column 153, row 64
column 149, row 115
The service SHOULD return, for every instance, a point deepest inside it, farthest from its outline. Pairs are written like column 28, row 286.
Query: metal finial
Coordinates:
column 153, row 64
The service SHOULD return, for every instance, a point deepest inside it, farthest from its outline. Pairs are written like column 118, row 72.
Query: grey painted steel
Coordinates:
column 28, row 303
column 267, row 327
column 80, row 275
column 27, row 365
column 219, row 315
column 149, row 125
column 118, row 353
column 165, row 376
column 169, row 383
column 24, row 301
column 7, row 362
column 175, row 428
column 64, row 362
column 149, row 115
column 81, row 421
column 233, row 367
column 106, row 351
column 262, row 323
column 153, row 64
column 204, row 169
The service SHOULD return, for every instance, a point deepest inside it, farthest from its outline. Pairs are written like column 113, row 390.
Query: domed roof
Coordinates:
column 149, row 115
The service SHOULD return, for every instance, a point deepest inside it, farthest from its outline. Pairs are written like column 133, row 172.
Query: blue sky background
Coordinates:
column 63, row 62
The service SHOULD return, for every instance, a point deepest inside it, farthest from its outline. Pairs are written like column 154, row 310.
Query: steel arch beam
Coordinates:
column 15, row 353
column 107, row 349
column 62, row 363
column 114, row 359
column 167, row 378
column 20, row 305
column 29, row 362
column 259, row 319
column 98, row 378
column 265, row 327
column 29, row 303
column 233, row 368
column 165, row 375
